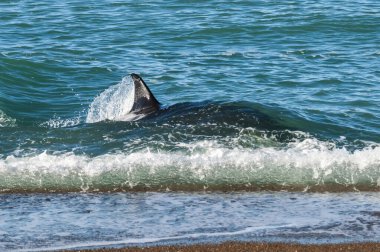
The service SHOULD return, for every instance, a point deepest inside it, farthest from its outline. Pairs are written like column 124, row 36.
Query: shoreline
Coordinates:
column 246, row 246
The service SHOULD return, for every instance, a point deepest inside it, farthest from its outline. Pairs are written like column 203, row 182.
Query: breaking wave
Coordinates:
column 307, row 165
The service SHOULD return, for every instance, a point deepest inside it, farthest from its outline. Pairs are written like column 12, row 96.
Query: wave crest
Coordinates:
column 301, row 166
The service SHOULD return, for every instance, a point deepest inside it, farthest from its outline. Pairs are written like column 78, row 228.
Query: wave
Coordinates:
column 115, row 103
column 186, row 146
column 308, row 165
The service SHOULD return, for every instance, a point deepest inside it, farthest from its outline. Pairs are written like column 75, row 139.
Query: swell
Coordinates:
column 113, row 104
column 232, row 125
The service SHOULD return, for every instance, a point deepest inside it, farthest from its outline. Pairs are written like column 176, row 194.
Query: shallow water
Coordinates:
column 66, row 221
column 256, row 96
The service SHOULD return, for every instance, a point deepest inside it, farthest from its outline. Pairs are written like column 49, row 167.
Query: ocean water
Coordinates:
column 269, row 128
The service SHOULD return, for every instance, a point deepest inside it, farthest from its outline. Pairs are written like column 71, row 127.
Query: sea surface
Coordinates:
column 269, row 128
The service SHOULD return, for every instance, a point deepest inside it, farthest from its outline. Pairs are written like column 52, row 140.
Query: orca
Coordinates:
column 144, row 101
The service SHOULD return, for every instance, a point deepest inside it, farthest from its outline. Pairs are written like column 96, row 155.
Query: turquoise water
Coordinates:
column 256, row 96
column 273, row 94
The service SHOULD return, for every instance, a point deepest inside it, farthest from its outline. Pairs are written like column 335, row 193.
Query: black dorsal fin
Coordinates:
column 144, row 100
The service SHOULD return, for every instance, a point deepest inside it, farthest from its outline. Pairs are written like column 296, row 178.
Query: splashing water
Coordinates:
column 113, row 104
column 6, row 121
column 301, row 166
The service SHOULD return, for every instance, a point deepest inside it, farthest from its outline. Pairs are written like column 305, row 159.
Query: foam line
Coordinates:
column 157, row 239
column 308, row 162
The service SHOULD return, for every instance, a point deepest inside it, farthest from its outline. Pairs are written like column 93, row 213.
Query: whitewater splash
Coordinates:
column 113, row 104
column 305, row 165
column 6, row 121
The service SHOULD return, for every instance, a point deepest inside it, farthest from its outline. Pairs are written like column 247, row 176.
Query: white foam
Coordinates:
column 159, row 239
column 114, row 103
column 308, row 162
column 6, row 121
column 58, row 122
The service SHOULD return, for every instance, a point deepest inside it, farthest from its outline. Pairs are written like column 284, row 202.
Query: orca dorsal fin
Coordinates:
column 144, row 101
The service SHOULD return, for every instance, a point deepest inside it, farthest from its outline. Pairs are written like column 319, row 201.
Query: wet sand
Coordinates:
column 237, row 246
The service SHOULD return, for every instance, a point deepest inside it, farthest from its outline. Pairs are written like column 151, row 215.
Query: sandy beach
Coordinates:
column 262, row 247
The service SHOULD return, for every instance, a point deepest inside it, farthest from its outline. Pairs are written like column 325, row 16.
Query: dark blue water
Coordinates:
column 256, row 95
